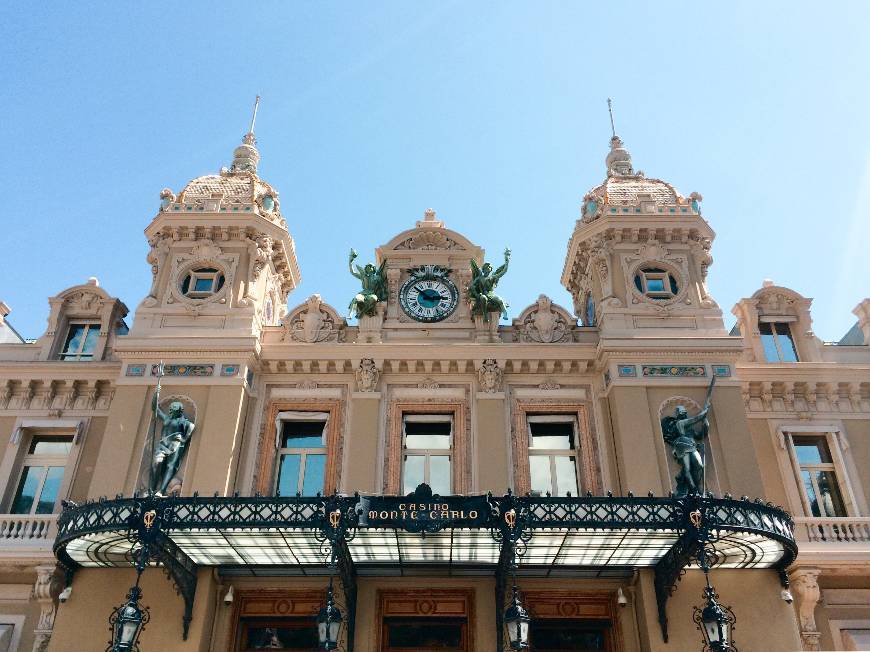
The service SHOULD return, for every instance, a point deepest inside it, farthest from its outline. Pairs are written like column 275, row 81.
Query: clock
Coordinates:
column 428, row 295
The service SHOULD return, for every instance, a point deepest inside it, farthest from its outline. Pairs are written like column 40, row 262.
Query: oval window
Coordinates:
column 202, row 282
column 656, row 283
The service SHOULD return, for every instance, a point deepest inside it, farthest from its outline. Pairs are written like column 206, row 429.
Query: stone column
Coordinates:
column 805, row 587
column 48, row 607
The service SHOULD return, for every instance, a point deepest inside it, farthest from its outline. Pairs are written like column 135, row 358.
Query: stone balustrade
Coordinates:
column 27, row 531
column 848, row 529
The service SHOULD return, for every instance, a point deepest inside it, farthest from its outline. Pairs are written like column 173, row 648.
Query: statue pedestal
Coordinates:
column 486, row 331
column 370, row 327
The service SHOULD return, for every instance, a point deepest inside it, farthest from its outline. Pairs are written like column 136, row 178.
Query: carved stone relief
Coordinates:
column 490, row 376
column 545, row 322
column 367, row 375
column 314, row 321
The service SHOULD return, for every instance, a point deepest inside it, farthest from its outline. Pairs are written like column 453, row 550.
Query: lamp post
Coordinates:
column 517, row 619
column 715, row 622
column 127, row 621
column 329, row 622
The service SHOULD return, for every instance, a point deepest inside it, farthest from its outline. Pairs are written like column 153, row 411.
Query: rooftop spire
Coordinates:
column 618, row 160
column 610, row 110
column 246, row 156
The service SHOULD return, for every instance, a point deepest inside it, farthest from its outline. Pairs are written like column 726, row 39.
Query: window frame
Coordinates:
column 13, row 463
column 427, row 453
column 79, row 355
column 264, row 479
column 553, row 453
column 772, row 324
column 589, row 461
column 837, row 465
column 645, row 273
column 442, row 404
column 196, row 273
column 303, row 452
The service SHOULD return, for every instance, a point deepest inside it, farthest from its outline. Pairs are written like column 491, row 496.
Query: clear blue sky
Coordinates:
column 492, row 113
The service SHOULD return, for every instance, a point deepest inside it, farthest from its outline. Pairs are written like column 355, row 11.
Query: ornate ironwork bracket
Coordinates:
column 182, row 571
column 509, row 521
column 337, row 524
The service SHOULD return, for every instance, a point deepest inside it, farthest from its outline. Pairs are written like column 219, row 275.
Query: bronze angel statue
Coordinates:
column 374, row 287
column 685, row 435
column 481, row 292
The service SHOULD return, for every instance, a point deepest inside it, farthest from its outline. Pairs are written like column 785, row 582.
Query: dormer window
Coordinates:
column 81, row 341
column 202, row 283
column 656, row 283
column 777, row 341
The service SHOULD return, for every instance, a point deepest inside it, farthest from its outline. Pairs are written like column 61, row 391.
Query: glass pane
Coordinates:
column 412, row 473
column 832, row 501
column 74, row 339
column 91, row 339
column 811, row 450
column 675, row 289
column 566, row 475
column 315, row 468
column 552, row 436
column 203, row 284
column 281, row 636
column 771, row 353
column 567, row 635
column 439, row 474
column 50, row 445
column 430, row 633
column 288, row 475
column 427, row 435
column 26, row 494
column 539, row 474
column 655, row 285
column 786, row 344
column 811, row 493
column 50, row 490
column 303, row 434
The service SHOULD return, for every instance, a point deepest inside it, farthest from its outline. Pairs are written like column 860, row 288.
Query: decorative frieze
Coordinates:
column 184, row 369
column 674, row 371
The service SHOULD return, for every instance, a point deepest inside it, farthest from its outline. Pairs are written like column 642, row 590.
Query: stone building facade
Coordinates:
column 543, row 404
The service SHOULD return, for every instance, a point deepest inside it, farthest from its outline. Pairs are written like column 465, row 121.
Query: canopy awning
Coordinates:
column 389, row 535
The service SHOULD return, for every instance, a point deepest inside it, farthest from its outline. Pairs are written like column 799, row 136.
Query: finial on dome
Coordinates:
column 618, row 160
column 430, row 219
column 246, row 156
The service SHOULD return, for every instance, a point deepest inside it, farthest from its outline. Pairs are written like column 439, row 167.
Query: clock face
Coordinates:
column 428, row 298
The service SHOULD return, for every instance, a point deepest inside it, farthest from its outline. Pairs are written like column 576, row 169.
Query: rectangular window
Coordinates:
column 817, row 472
column 295, row 634
column 777, row 342
column 81, row 341
column 561, row 635
column 427, row 443
column 301, row 458
column 42, row 473
column 553, row 454
column 423, row 634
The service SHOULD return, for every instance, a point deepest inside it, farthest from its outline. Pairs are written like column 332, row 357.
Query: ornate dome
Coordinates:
column 625, row 190
column 234, row 189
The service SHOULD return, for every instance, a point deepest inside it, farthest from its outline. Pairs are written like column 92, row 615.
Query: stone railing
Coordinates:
column 20, row 531
column 847, row 529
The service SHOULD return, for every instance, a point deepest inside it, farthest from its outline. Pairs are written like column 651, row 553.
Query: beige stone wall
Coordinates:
column 361, row 458
column 764, row 621
column 97, row 591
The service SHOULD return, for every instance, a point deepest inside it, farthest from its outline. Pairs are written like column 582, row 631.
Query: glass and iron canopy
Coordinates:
column 422, row 533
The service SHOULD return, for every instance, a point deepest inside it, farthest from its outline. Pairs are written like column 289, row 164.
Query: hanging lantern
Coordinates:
column 715, row 622
column 127, row 622
column 329, row 622
column 516, row 618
